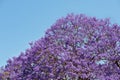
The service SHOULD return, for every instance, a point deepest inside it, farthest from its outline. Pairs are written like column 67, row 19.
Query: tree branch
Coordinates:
column 117, row 63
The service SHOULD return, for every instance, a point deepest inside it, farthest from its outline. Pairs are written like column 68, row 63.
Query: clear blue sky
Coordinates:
column 23, row 21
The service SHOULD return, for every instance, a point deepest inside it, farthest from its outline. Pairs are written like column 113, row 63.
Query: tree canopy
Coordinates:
column 76, row 47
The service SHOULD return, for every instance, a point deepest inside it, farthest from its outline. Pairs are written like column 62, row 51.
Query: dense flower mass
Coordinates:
column 76, row 47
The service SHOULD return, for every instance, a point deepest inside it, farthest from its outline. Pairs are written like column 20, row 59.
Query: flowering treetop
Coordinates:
column 76, row 47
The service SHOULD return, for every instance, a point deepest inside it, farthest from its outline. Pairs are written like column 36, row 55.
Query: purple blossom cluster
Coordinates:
column 76, row 47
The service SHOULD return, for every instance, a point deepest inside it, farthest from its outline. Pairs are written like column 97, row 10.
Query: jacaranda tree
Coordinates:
column 76, row 47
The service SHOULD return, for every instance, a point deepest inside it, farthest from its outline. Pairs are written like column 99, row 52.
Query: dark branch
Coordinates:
column 117, row 63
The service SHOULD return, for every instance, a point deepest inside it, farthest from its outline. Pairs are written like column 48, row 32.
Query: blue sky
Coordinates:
column 23, row 21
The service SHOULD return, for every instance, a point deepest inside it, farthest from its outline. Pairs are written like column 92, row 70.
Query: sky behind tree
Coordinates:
column 23, row 21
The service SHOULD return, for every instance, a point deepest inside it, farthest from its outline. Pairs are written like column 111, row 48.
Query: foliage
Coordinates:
column 76, row 47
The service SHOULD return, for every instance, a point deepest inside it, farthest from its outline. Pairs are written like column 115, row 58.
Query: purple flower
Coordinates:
column 76, row 47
